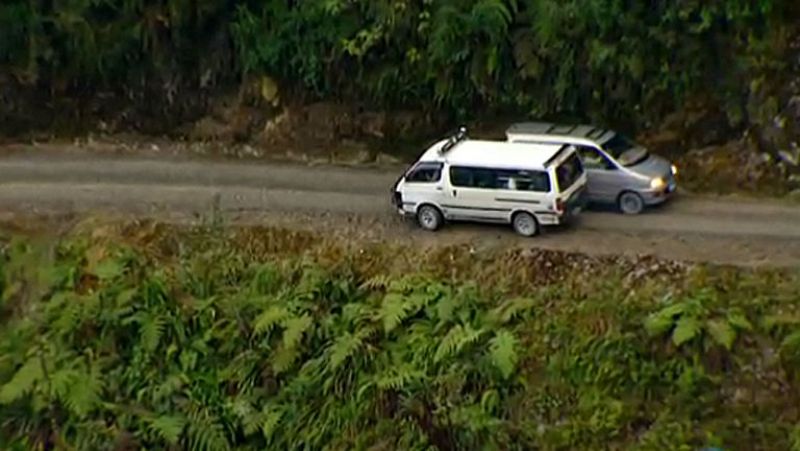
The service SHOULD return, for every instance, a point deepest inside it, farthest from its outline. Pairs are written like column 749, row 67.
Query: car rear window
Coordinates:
column 568, row 172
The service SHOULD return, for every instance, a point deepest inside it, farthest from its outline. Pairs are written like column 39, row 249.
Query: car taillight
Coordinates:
column 559, row 205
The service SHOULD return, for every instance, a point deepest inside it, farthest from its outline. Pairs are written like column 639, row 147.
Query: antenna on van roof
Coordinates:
column 454, row 139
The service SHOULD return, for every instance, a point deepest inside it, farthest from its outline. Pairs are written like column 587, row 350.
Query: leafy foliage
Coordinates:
column 218, row 349
column 618, row 60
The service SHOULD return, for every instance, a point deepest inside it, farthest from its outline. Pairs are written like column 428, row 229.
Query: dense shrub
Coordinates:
column 618, row 59
column 103, row 347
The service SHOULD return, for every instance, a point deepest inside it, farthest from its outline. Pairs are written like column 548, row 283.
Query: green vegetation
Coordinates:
column 264, row 339
column 621, row 61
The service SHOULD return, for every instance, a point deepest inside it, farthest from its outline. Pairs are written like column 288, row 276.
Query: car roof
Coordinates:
column 497, row 154
column 552, row 129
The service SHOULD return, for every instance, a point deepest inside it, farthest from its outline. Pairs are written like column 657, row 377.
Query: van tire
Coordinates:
column 630, row 203
column 525, row 224
column 429, row 218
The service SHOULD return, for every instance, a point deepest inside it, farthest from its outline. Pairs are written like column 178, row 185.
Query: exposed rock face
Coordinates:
column 700, row 123
column 778, row 131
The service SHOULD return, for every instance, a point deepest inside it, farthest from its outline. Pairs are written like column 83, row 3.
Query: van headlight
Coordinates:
column 657, row 183
column 674, row 169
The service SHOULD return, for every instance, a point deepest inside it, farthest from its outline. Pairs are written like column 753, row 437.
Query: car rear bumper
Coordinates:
column 575, row 206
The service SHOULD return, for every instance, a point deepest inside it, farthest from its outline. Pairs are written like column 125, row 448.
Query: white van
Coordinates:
column 619, row 171
column 525, row 185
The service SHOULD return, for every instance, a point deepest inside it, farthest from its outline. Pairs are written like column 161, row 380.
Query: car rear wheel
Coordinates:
column 429, row 218
column 525, row 224
column 631, row 203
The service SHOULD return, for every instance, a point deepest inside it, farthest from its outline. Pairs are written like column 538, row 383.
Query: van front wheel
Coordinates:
column 429, row 218
column 525, row 224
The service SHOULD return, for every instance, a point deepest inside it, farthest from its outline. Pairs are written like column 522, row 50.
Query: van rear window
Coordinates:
column 568, row 172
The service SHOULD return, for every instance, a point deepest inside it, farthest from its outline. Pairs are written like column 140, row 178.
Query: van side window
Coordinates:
column 425, row 173
column 461, row 176
column 510, row 179
column 522, row 180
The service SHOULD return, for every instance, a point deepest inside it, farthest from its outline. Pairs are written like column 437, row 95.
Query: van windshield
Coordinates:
column 624, row 150
column 568, row 172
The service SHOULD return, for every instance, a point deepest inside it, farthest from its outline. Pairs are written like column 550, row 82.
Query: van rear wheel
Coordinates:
column 429, row 218
column 525, row 224
column 630, row 203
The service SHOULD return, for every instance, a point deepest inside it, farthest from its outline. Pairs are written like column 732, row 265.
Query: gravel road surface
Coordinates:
column 354, row 201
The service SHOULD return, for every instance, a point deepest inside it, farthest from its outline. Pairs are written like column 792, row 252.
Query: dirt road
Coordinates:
column 354, row 201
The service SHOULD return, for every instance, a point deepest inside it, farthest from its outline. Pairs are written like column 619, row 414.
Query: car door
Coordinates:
column 470, row 195
column 602, row 175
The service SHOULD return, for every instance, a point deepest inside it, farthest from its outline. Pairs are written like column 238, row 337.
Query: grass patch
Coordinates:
column 155, row 337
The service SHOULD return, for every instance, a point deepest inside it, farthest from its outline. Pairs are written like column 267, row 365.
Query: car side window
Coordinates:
column 425, row 173
column 592, row 159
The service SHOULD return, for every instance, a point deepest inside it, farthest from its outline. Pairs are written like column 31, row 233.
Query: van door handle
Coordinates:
column 438, row 188
column 455, row 193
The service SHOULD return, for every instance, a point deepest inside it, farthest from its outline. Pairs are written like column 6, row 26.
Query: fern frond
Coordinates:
column 69, row 316
column 284, row 358
column 393, row 311
column 400, row 286
column 503, row 352
column 109, row 269
column 247, row 415
column 377, row 282
column 271, row 418
column 62, row 379
column 266, row 280
column 686, row 329
column 205, row 433
column 168, row 427
column 446, row 308
column 399, row 377
column 457, row 338
column 791, row 344
column 660, row 322
column 78, row 390
column 450, row 342
column 512, row 309
column 125, row 297
column 342, row 349
column 721, row 332
column 23, row 381
column 267, row 320
column 243, row 370
column 293, row 333
column 151, row 327
column 170, row 386
column 295, row 328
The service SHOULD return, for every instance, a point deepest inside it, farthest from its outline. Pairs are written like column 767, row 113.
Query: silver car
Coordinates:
column 619, row 171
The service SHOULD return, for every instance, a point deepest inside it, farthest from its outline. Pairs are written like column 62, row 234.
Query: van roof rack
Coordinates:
column 457, row 137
